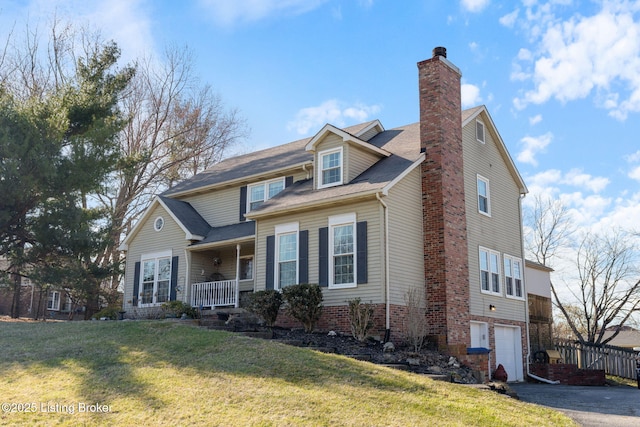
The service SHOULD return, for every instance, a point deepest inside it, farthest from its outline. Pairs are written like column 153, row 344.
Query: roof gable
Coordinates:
column 188, row 219
column 347, row 138
column 481, row 111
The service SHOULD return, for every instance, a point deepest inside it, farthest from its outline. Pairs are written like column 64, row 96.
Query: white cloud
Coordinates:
column 509, row 19
column 573, row 61
column 470, row 95
column 532, row 146
column 633, row 158
column 474, row 5
column 576, row 178
column 534, row 120
column 635, row 173
column 331, row 111
column 228, row 13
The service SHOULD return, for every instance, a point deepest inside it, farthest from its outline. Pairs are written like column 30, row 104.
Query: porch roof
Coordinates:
column 228, row 232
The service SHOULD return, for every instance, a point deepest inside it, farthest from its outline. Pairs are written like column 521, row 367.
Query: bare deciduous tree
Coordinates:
column 606, row 289
column 550, row 229
column 177, row 128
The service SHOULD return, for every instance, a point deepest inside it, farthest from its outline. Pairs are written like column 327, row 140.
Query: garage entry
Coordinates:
column 508, row 346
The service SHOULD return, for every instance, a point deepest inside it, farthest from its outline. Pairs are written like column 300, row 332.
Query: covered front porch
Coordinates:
column 221, row 270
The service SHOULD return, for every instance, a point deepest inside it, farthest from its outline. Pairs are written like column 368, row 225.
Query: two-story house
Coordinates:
column 365, row 212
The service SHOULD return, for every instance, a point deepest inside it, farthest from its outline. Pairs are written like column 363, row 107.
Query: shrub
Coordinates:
column 108, row 312
column 416, row 321
column 360, row 318
column 266, row 304
column 304, row 303
column 177, row 308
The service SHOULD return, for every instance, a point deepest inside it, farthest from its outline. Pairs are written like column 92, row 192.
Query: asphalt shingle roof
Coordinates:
column 187, row 215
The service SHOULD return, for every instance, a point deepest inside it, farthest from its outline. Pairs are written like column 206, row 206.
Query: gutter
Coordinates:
column 386, row 268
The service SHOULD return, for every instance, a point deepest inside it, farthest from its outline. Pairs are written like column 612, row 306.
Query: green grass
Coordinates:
column 171, row 373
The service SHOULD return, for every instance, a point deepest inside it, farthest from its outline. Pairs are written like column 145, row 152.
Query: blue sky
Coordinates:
column 561, row 78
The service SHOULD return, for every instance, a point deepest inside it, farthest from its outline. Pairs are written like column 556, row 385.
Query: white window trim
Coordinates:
column 499, row 272
column 155, row 223
column 320, row 169
column 55, row 307
column 345, row 219
column 484, row 133
column 264, row 184
column 486, row 181
column 252, row 270
column 147, row 257
column 282, row 229
column 506, row 290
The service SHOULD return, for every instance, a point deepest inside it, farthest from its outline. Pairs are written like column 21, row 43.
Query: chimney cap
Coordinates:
column 440, row 51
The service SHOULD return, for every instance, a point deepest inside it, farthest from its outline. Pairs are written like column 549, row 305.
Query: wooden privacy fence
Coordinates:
column 613, row 360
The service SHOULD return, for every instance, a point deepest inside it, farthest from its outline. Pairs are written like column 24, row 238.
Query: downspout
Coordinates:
column 304, row 168
column 386, row 269
column 526, row 303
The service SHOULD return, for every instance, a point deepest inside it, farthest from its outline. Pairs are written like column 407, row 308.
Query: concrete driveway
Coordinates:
column 617, row 406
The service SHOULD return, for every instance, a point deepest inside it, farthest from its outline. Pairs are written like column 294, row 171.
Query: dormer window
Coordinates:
column 330, row 171
column 263, row 191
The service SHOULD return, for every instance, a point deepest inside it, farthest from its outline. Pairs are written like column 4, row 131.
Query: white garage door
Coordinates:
column 509, row 351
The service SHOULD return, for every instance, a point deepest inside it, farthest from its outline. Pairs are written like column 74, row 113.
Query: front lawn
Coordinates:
column 171, row 373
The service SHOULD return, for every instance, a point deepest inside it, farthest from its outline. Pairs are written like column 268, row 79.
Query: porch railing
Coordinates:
column 214, row 294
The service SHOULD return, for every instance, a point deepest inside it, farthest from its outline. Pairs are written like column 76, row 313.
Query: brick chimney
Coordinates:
column 445, row 225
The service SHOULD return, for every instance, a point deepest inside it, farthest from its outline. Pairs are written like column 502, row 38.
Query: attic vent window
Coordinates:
column 158, row 223
column 480, row 131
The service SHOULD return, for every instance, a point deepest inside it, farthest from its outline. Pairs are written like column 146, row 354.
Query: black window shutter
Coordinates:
column 243, row 202
column 271, row 252
column 136, row 283
column 323, row 273
column 288, row 181
column 303, row 256
column 174, row 278
column 361, row 237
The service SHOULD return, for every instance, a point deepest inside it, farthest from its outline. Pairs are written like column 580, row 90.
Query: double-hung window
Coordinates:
column 513, row 277
column 53, row 301
column 330, row 170
column 342, row 251
column 489, row 271
column 258, row 193
column 484, row 204
column 155, row 278
column 286, row 263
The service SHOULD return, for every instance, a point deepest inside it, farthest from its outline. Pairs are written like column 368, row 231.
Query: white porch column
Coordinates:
column 237, row 276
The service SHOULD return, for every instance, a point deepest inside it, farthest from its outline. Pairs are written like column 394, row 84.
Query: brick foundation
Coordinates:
column 336, row 318
column 568, row 374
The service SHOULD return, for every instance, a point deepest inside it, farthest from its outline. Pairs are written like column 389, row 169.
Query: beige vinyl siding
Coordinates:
column 314, row 220
column 406, row 247
column 222, row 207
column 359, row 160
column 370, row 133
column 148, row 240
column 501, row 232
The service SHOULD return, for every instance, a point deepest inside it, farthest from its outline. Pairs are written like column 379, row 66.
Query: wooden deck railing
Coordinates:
column 617, row 361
